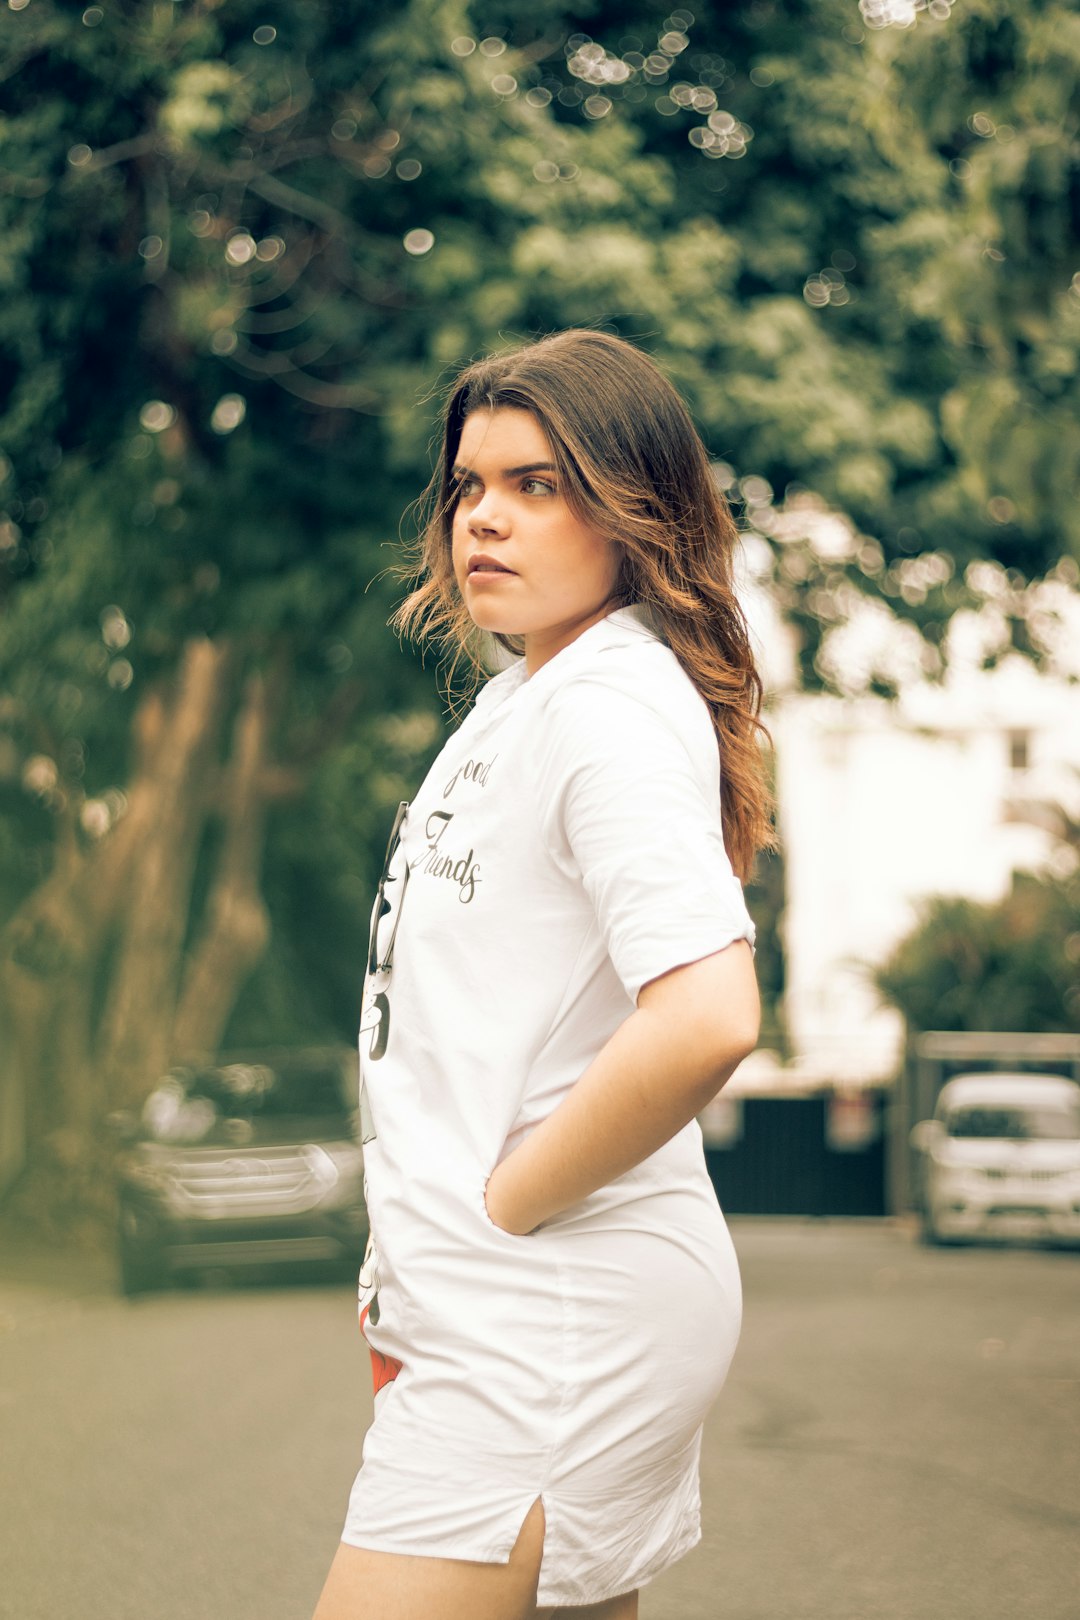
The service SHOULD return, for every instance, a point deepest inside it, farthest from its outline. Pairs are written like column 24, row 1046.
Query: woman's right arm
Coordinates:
column 691, row 1029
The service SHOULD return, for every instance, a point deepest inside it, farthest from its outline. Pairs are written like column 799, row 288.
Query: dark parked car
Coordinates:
column 253, row 1160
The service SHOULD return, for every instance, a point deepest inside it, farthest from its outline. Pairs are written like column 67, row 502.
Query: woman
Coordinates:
column 560, row 977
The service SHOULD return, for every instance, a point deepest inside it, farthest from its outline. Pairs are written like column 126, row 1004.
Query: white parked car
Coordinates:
column 1001, row 1156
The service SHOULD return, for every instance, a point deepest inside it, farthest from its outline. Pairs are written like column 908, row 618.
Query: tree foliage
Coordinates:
column 1009, row 966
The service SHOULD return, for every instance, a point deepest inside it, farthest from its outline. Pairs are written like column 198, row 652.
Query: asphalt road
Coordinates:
column 899, row 1440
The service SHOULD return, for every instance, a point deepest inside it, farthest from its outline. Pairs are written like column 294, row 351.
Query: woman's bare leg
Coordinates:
column 365, row 1585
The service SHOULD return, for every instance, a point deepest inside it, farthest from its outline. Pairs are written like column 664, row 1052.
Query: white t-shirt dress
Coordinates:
column 564, row 849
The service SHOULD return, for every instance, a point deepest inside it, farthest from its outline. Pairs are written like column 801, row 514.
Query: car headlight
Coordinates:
column 153, row 1178
column 951, row 1175
column 346, row 1157
column 339, row 1166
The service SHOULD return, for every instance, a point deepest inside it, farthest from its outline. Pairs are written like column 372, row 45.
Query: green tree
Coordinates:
column 863, row 274
column 1009, row 966
column 217, row 322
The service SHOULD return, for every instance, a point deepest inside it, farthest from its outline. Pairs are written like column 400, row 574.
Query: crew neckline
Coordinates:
column 634, row 617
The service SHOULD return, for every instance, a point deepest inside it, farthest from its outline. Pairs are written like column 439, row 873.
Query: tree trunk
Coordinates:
column 237, row 926
column 50, row 958
column 111, row 921
column 137, row 1023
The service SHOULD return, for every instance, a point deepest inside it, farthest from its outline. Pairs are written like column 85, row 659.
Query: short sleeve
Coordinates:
column 629, row 803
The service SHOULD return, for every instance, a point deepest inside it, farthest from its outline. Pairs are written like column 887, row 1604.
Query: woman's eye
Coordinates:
column 538, row 486
column 464, row 486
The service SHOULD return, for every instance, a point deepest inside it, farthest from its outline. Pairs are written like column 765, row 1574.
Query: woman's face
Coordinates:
column 525, row 564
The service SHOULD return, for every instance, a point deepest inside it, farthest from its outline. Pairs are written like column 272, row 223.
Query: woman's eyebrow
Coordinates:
column 511, row 472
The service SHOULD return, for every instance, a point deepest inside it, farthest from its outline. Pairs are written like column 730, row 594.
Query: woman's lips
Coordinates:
column 487, row 566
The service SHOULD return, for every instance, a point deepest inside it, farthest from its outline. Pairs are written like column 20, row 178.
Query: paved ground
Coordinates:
column 898, row 1440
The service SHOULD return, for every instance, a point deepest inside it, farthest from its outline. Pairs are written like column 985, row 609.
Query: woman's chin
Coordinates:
column 486, row 616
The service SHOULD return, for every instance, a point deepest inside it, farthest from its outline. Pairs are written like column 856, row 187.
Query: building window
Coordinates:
column 1019, row 750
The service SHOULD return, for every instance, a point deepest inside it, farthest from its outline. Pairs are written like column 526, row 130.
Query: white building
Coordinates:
column 882, row 805
column 948, row 790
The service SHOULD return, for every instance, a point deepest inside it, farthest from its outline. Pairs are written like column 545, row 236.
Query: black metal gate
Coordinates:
column 817, row 1155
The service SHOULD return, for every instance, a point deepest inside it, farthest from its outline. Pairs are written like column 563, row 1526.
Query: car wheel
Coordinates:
column 141, row 1262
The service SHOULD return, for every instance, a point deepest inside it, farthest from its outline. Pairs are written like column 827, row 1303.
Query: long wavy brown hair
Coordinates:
column 632, row 466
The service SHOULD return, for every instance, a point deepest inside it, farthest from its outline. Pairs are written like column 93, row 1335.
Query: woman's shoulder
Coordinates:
column 620, row 666
column 626, row 693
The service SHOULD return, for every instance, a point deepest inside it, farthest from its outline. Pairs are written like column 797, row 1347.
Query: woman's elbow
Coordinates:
column 742, row 1037
column 736, row 1026
column 724, row 1039
column 714, row 1007
column 732, row 1041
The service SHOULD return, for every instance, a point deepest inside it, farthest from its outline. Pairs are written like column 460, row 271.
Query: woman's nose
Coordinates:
column 488, row 515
